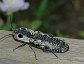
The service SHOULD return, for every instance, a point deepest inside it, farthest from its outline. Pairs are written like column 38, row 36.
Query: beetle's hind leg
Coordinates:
column 47, row 49
column 54, row 54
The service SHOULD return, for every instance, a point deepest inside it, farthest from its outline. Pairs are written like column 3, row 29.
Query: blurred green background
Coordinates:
column 64, row 18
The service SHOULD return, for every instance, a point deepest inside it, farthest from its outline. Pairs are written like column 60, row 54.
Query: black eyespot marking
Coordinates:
column 20, row 35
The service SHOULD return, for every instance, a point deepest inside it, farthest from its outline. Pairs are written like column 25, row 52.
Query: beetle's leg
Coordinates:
column 19, row 46
column 33, row 51
column 53, row 53
column 46, row 49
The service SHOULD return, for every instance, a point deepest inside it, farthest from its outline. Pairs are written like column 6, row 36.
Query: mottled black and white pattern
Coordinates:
column 40, row 40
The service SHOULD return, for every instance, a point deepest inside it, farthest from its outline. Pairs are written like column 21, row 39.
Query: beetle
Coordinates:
column 40, row 40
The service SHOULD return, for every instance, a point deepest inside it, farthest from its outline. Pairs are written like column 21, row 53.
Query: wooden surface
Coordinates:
column 25, row 55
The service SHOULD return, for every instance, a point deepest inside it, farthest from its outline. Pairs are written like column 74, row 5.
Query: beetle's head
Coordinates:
column 22, row 34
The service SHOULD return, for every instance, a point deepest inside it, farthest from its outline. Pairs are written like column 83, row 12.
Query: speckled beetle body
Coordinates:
column 39, row 40
column 48, row 43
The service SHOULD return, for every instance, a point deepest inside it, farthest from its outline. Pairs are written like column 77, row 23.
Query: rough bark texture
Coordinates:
column 24, row 55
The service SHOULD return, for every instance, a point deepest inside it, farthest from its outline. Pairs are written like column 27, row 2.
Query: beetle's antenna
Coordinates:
column 6, row 36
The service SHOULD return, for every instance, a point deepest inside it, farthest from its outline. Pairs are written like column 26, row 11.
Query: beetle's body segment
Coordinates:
column 40, row 40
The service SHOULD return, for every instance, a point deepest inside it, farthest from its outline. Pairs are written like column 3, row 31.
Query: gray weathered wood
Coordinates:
column 25, row 55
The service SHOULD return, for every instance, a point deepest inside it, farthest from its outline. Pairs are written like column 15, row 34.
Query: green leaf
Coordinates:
column 35, row 24
column 81, row 34
column 14, row 25
column 42, row 8
column 59, row 33
column 8, row 26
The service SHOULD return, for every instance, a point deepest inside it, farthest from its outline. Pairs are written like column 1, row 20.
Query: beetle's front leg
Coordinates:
column 33, row 51
column 20, row 46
